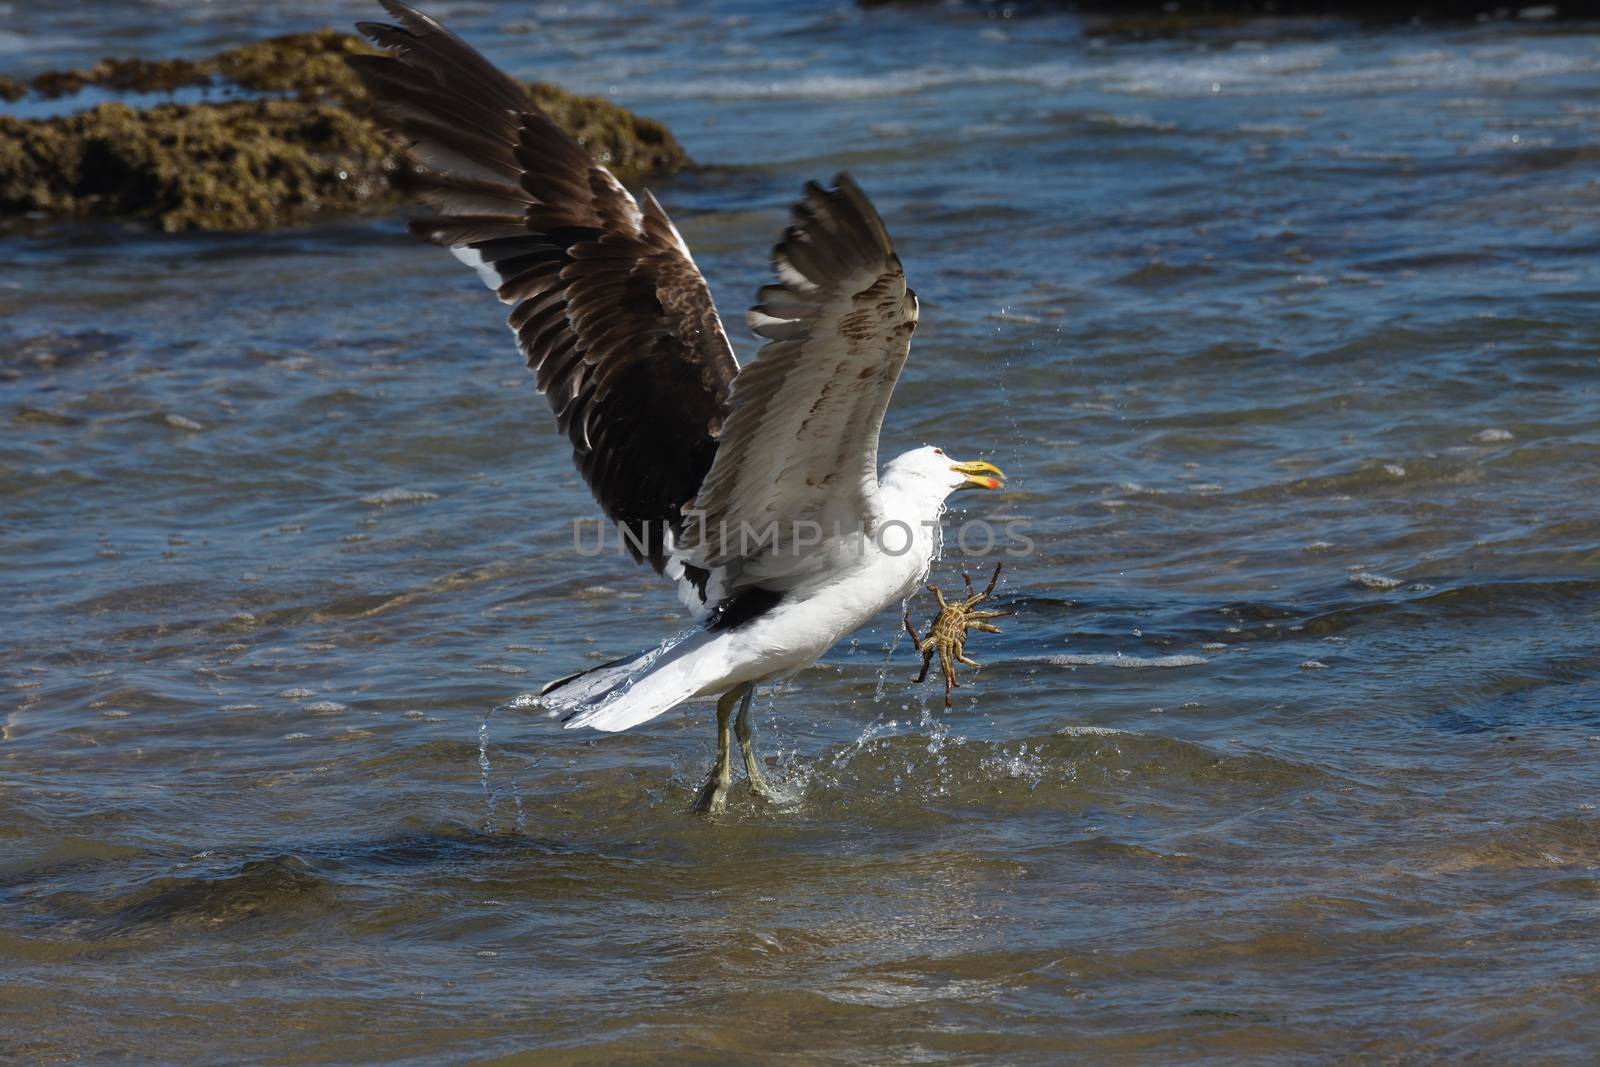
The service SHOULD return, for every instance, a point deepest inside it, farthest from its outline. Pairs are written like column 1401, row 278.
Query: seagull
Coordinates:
column 754, row 488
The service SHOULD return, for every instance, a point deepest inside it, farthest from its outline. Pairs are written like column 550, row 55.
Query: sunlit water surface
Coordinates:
column 1287, row 336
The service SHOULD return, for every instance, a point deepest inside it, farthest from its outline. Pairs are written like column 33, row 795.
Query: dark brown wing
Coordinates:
column 610, row 310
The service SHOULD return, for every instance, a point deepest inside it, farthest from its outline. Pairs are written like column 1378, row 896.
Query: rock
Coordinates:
column 240, row 165
column 304, row 145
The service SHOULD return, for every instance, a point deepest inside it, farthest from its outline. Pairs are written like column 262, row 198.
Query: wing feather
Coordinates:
column 608, row 307
column 801, row 438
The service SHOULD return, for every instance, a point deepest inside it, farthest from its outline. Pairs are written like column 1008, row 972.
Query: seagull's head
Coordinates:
column 943, row 475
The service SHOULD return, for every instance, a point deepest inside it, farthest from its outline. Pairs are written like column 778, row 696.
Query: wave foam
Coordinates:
column 1304, row 70
column 1117, row 659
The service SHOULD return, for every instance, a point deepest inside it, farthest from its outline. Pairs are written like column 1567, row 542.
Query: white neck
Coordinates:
column 916, row 505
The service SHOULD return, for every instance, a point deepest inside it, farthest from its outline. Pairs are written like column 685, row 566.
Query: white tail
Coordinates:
column 565, row 695
column 635, row 689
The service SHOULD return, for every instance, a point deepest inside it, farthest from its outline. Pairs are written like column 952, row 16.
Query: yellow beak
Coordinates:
column 980, row 475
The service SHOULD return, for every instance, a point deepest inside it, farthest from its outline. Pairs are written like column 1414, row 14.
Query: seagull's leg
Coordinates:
column 741, row 730
column 714, row 794
column 927, row 660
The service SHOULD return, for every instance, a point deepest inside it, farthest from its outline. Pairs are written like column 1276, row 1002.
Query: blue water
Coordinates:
column 1285, row 333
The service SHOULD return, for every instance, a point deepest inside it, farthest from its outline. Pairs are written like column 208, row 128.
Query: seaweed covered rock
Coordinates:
column 301, row 144
column 230, row 166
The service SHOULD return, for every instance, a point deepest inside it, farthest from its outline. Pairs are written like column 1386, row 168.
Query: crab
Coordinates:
column 948, row 634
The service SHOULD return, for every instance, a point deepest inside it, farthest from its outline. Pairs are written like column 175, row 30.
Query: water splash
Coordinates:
column 939, row 734
column 1025, row 765
column 871, row 733
column 491, row 794
column 879, row 691
column 788, row 775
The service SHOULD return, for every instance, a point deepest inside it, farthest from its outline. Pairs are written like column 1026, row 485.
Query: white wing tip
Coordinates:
column 773, row 327
column 474, row 259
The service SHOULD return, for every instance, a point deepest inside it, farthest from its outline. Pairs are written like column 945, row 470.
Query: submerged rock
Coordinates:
column 303, row 143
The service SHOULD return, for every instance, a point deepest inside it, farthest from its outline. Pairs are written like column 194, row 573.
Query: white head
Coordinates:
column 927, row 473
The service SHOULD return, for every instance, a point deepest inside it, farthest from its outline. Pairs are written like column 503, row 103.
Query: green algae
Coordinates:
column 309, row 64
column 311, row 148
column 240, row 165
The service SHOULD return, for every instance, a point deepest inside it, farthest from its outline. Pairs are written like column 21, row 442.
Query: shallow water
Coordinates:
column 1286, row 335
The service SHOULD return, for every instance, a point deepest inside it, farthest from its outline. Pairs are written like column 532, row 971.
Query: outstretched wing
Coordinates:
column 801, row 439
column 609, row 308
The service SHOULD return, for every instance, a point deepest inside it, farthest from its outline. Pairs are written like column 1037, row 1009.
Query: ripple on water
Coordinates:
column 123, row 902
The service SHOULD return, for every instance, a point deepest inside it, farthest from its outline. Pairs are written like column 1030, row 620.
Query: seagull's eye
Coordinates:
column 938, row 451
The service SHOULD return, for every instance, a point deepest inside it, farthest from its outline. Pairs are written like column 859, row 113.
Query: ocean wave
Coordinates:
column 1117, row 659
column 1306, row 70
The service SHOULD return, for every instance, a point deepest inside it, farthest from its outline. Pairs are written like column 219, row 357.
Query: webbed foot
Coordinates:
column 713, row 795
